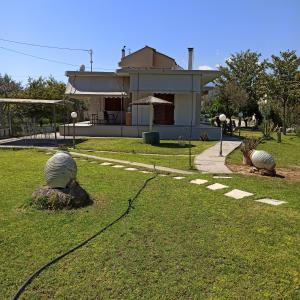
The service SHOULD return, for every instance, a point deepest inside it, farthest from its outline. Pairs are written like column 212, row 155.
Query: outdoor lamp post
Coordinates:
column 240, row 121
column 222, row 118
column 74, row 116
column 262, row 104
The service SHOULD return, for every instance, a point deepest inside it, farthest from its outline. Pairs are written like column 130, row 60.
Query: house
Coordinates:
column 142, row 73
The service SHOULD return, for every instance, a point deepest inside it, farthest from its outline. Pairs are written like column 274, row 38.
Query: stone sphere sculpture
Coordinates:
column 60, row 170
column 262, row 160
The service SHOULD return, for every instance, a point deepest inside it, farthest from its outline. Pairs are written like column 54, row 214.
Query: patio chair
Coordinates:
column 102, row 117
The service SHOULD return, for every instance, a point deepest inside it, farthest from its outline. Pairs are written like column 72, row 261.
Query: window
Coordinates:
column 113, row 104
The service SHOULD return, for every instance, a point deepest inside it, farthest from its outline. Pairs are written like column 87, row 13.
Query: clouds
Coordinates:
column 208, row 68
column 205, row 67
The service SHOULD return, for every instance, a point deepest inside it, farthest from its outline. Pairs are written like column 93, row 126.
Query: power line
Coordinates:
column 38, row 57
column 45, row 46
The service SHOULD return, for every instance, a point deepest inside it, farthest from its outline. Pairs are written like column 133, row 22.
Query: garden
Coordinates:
column 181, row 240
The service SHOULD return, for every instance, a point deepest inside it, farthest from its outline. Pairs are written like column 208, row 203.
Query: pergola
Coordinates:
column 151, row 100
column 35, row 102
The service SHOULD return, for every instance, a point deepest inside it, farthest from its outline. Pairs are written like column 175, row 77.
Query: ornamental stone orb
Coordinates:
column 262, row 160
column 60, row 170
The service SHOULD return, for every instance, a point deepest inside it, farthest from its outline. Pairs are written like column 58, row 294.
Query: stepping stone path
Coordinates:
column 270, row 201
column 238, row 194
column 217, row 186
column 199, row 181
column 235, row 193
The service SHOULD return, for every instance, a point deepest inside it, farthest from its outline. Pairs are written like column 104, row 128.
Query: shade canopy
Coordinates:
column 75, row 90
column 150, row 100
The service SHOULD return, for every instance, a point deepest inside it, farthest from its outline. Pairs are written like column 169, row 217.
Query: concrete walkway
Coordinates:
column 136, row 164
column 209, row 160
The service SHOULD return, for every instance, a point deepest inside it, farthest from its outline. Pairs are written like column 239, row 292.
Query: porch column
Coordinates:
column 54, row 122
column 197, row 108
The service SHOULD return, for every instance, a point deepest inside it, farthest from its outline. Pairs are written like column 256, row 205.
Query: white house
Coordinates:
column 142, row 73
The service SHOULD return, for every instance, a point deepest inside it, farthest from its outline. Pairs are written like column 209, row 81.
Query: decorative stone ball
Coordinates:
column 60, row 170
column 262, row 160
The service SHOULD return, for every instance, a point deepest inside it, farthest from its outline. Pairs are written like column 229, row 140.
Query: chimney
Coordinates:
column 123, row 51
column 191, row 54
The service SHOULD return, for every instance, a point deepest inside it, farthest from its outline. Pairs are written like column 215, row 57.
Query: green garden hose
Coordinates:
column 56, row 259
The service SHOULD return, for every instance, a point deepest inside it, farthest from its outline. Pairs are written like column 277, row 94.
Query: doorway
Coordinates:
column 164, row 114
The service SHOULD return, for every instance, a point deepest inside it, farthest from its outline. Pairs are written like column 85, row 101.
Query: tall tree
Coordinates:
column 41, row 88
column 9, row 88
column 232, row 98
column 285, row 82
column 246, row 69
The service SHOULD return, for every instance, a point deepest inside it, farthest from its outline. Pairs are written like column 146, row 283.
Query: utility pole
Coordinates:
column 91, row 59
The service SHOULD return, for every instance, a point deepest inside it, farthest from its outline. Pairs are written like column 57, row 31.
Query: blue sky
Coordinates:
column 214, row 28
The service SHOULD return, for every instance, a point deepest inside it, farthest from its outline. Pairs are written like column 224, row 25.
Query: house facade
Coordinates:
column 145, row 72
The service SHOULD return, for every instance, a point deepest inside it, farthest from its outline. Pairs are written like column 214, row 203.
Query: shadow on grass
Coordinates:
column 174, row 145
column 44, row 142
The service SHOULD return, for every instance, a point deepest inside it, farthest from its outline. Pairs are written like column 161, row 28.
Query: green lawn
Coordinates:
column 136, row 145
column 181, row 241
column 168, row 154
column 177, row 162
column 286, row 154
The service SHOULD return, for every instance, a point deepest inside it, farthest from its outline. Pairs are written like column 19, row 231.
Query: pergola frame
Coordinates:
column 9, row 101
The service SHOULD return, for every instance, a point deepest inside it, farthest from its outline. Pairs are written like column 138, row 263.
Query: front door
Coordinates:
column 163, row 113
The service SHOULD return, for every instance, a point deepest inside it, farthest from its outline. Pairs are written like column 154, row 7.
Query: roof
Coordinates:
column 151, row 49
column 151, row 100
column 154, row 51
column 33, row 101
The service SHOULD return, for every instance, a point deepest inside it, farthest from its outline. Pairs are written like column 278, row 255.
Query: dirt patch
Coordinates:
column 290, row 174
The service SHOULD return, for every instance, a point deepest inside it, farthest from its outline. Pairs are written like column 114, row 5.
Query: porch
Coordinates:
column 166, row 131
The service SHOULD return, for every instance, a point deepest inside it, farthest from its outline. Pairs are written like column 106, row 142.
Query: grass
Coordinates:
column 168, row 154
column 177, row 162
column 181, row 241
column 136, row 145
column 286, row 153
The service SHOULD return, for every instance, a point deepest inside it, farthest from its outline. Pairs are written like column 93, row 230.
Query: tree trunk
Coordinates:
column 284, row 118
column 240, row 122
column 230, row 125
column 246, row 123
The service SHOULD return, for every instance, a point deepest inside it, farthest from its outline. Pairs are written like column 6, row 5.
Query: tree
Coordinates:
column 248, row 72
column 9, row 88
column 284, row 82
column 231, row 98
column 41, row 88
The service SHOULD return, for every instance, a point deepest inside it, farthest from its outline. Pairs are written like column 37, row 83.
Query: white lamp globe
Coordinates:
column 74, row 114
column 222, row 117
column 241, row 114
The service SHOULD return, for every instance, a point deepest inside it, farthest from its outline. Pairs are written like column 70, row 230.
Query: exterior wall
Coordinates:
column 147, row 57
column 96, row 105
column 183, row 109
column 163, row 62
column 140, row 113
column 171, row 83
column 166, row 131
column 140, row 59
